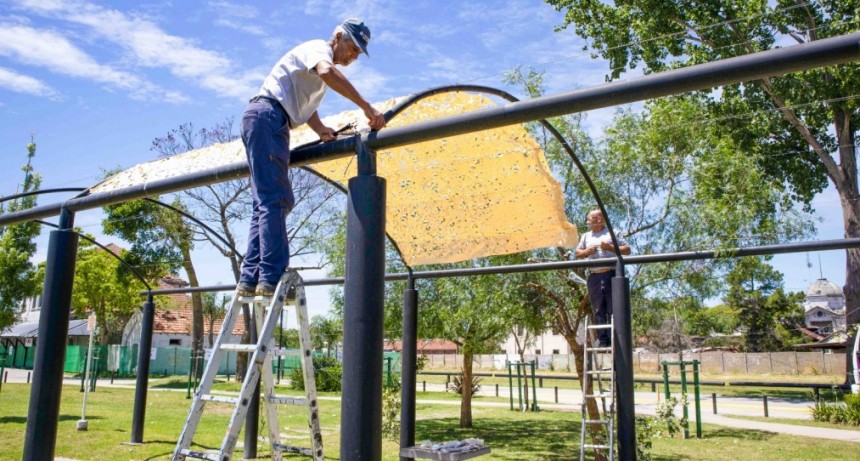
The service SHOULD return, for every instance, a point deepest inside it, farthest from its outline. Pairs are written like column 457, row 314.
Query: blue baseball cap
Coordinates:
column 358, row 32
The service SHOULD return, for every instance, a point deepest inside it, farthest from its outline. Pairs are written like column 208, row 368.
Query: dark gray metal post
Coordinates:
column 252, row 419
column 361, row 406
column 408, row 357
column 623, row 319
column 44, row 411
column 143, row 356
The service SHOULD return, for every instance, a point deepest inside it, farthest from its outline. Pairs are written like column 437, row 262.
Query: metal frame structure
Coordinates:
column 361, row 419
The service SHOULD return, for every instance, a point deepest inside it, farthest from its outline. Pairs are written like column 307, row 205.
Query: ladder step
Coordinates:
column 239, row 347
column 601, row 326
column 598, row 421
column 599, row 349
column 200, row 455
column 291, row 449
column 605, row 371
column 286, row 352
column 219, row 399
column 594, row 445
column 289, row 400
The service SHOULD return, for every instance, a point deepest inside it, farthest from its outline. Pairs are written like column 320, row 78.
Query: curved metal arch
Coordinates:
column 94, row 242
column 157, row 202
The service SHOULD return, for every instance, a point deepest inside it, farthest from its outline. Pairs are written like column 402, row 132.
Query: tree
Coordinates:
column 17, row 246
column 326, row 332
column 800, row 127
column 214, row 309
column 769, row 315
column 101, row 287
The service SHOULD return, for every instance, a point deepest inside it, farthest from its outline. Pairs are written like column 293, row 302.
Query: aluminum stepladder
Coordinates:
column 598, row 368
column 259, row 367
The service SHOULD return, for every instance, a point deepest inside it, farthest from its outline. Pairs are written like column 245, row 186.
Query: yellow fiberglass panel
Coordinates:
column 466, row 196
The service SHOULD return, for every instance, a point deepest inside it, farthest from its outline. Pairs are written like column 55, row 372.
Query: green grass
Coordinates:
column 796, row 422
column 546, row 435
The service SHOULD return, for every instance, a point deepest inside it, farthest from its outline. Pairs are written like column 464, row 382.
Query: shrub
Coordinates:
column 391, row 413
column 328, row 373
column 457, row 385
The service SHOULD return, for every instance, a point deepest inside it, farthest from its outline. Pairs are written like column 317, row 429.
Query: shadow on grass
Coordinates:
column 738, row 434
column 510, row 439
column 23, row 419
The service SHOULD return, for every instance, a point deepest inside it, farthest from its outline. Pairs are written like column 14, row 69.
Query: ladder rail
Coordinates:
column 206, row 382
column 266, row 317
column 596, row 372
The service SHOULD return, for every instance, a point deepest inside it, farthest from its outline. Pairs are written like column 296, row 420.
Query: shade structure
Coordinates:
column 449, row 200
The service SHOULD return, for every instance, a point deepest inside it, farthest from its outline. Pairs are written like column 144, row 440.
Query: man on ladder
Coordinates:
column 597, row 244
column 289, row 98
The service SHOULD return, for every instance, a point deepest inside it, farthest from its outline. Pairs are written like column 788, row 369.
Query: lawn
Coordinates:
column 546, row 435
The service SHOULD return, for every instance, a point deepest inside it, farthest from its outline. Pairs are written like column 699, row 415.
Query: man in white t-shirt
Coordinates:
column 597, row 244
column 289, row 98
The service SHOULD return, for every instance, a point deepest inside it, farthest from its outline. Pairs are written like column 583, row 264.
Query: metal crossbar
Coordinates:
column 290, row 288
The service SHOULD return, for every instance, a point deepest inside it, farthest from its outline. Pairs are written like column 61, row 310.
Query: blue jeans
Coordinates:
column 266, row 135
column 600, row 295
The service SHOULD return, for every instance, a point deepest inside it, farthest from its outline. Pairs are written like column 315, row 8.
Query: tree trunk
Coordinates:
column 196, row 305
column 466, row 388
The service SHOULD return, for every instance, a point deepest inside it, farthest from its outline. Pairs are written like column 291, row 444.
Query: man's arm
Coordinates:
column 325, row 133
column 338, row 82
column 608, row 246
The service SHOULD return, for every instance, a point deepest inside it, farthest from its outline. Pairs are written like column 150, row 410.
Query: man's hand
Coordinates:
column 327, row 134
column 374, row 118
column 607, row 246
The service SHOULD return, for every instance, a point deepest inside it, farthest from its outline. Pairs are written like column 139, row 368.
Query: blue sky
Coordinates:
column 96, row 81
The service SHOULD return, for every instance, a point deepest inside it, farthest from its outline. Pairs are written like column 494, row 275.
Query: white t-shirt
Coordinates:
column 594, row 239
column 295, row 83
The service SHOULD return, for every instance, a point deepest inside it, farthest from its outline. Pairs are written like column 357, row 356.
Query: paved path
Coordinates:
column 646, row 403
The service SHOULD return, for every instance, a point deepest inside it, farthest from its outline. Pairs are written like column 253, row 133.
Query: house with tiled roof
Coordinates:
column 173, row 320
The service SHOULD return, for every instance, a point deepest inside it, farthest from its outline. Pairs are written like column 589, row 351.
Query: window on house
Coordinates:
column 537, row 351
column 555, row 352
column 520, row 330
column 175, row 342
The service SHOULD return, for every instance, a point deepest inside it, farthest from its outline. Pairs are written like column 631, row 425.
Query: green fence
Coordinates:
column 122, row 360
column 19, row 356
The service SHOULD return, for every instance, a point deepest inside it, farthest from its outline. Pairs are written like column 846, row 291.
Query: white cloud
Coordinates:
column 25, row 84
column 239, row 17
column 149, row 45
column 54, row 52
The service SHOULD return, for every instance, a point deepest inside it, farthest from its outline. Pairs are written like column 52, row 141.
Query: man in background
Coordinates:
column 597, row 244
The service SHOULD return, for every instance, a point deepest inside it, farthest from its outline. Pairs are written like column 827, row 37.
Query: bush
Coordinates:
column 391, row 413
column 838, row 413
column 457, row 385
column 328, row 373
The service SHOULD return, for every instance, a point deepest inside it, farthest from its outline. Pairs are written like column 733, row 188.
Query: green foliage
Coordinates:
column 102, row 286
column 18, row 277
column 391, row 412
column 289, row 337
column 152, row 231
column 646, row 431
column 326, row 333
column 459, row 386
column 782, row 137
column 665, row 412
column 328, row 373
column 847, row 413
column 769, row 314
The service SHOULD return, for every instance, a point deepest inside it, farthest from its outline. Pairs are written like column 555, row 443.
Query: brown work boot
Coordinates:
column 266, row 289
column 245, row 290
